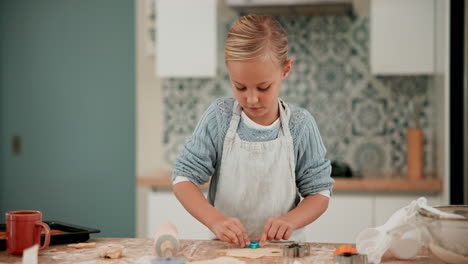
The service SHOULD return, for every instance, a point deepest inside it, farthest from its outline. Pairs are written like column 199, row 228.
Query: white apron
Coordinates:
column 257, row 179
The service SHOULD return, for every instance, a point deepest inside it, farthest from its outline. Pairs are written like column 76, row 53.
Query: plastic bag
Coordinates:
column 403, row 234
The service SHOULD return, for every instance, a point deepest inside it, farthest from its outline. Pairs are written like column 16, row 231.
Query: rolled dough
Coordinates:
column 221, row 260
column 82, row 245
column 253, row 253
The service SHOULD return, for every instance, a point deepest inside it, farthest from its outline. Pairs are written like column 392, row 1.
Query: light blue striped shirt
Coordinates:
column 201, row 155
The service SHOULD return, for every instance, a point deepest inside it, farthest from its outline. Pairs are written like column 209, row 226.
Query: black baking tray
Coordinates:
column 71, row 233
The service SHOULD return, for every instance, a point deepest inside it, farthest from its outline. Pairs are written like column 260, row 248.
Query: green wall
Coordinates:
column 67, row 80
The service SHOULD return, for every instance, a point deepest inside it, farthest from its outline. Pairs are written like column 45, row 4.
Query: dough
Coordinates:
column 52, row 232
column 82, row 245
column 110, row 251
column 253, row 253
column 221, row 260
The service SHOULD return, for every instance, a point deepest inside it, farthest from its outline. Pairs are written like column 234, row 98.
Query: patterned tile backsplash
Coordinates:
column 362, row 118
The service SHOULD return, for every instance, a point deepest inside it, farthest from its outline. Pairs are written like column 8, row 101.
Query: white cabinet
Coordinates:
column 347, row 214
column 402, row 37
column 186, row 37
column 163, row 207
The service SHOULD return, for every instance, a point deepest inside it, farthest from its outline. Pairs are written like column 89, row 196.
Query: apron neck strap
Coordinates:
column 284, row 118
column 236, row 112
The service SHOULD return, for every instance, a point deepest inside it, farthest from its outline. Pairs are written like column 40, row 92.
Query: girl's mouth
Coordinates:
column 254, row 108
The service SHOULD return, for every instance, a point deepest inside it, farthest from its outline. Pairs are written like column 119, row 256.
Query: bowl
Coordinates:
column 446, row 255
column 449, row 233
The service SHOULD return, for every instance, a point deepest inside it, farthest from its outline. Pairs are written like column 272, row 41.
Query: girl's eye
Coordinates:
column 264, row 88
column 240, row 88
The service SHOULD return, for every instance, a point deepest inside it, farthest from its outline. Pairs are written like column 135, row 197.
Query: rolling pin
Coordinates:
column 166, row 245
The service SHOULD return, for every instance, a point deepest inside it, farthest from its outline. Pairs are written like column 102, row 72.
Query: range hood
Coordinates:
column 299, row 7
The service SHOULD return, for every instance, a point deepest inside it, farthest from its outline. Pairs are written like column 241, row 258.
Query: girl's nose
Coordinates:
column 252, row 98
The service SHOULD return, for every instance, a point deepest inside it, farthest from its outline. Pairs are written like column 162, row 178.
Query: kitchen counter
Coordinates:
column 377, row 183
column 138, row 250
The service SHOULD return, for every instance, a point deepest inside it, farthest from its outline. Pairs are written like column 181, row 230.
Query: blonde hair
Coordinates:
column 256, row 36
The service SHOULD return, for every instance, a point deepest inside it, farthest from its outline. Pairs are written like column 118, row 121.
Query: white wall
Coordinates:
column 149, row 115
column 149, row 101
column 441, row 88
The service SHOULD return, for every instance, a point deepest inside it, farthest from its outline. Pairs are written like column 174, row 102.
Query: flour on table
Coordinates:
column 221, row 260
column 253, row 253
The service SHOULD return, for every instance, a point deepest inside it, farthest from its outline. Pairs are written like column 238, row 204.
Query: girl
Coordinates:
column 261, row 153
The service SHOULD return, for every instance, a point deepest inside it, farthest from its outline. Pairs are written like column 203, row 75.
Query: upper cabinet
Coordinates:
column 186, row 38
column 402, row 37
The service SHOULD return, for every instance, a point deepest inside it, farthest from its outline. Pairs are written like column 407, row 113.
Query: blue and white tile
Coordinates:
column 362, row 118
column 370, row 154
column 369, row 117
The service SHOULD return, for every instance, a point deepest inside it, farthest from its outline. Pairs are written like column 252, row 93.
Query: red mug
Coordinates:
column 23, row 230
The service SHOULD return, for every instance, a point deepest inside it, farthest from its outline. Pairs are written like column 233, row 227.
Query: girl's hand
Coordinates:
column 231, row 230
column 276, row 228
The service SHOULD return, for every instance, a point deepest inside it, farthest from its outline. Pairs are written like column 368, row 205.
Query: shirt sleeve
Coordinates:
column 178, row 179
column 325, row 193
column 197, row 159
column 313, row 170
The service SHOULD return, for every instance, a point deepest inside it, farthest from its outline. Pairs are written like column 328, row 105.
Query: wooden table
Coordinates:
column 139, row 251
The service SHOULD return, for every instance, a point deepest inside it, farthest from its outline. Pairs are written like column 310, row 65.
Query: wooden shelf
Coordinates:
column 388, row 185
column 162, row 180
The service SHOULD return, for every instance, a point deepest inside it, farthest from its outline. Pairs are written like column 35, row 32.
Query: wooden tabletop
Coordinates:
column 138, row 250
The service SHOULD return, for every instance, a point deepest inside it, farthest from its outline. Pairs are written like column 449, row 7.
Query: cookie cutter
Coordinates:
column 346, row 254
column 168, row 260
column 350, row 258
column 253, row 244
column 295, row 250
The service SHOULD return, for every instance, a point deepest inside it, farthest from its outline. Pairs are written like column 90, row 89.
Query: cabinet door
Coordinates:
column 163, row 207
column 402, row 36
column 186, row 38
column 345, row 217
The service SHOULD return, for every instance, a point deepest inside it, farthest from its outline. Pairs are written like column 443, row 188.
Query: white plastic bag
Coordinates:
column 401, row 234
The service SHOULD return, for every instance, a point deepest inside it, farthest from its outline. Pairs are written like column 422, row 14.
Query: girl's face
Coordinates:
column 256, row 84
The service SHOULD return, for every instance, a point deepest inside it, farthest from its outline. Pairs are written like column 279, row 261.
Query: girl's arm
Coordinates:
column 305, row 213
column 228, row 229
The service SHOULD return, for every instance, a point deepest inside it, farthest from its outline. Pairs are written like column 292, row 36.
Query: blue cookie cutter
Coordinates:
column 168, row 260
column 253, row 244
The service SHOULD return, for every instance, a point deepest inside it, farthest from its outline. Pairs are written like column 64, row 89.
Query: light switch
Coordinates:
column 16, row 145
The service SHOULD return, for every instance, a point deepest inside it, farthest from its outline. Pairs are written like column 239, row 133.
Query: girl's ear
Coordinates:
column 287, row 68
